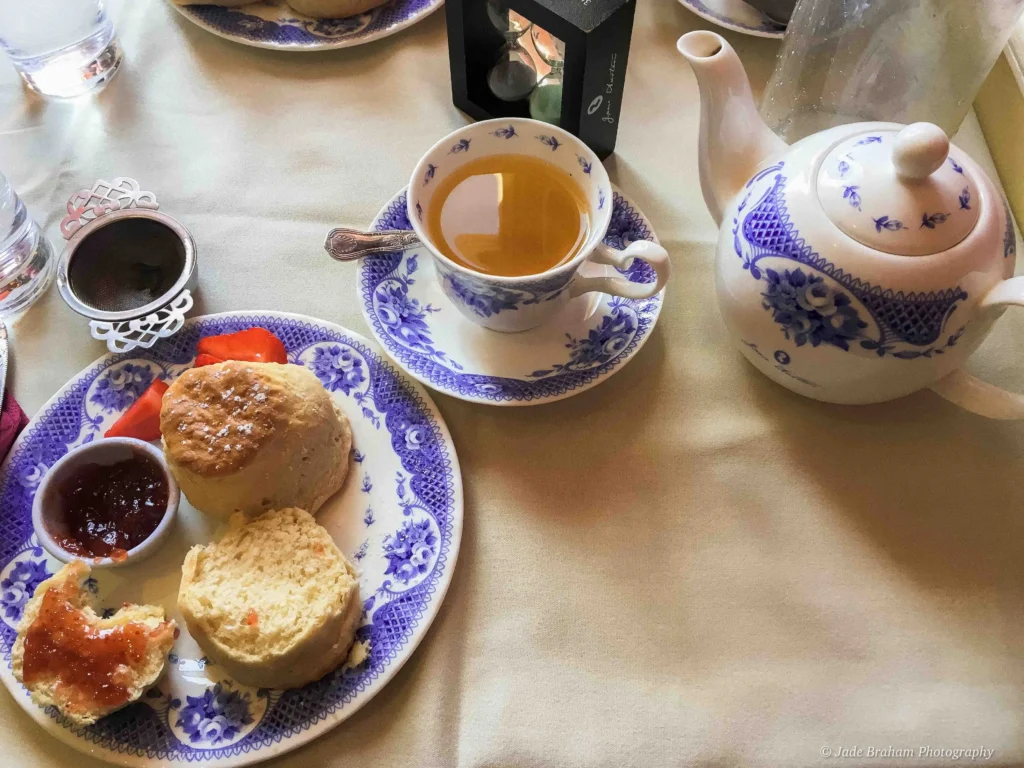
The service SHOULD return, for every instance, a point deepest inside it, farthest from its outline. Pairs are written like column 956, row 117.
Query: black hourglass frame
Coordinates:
column 596, row 37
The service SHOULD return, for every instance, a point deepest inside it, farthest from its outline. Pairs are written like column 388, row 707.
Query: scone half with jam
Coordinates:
column 85, row 665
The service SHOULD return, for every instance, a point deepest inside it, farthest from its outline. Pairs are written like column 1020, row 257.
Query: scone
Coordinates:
column 274, row 601
column 248, row 437
column 85, row 665
column 333, row 9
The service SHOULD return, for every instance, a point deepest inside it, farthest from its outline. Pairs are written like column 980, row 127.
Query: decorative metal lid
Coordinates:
column 901, row 192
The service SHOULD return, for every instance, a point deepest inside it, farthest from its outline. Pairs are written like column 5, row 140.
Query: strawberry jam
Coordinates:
column 106, row 511
column 92, row 666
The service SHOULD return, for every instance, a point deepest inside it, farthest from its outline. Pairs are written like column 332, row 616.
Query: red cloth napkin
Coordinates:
column 12, row 421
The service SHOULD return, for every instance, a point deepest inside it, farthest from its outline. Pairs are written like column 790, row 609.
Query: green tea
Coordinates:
column 508, row 215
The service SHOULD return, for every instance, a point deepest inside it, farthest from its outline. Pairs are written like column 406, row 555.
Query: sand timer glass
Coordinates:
column 546, row 99
column 514, row 74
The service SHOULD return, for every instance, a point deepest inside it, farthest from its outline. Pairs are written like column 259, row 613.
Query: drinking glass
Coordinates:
column 61, row 48
column 904, row 61
column 26, row 259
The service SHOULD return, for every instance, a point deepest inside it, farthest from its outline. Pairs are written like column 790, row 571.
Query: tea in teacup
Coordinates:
column 509, row 215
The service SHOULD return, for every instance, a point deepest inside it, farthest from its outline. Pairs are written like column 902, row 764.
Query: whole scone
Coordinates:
column 85, row 665
column 333, row 9
column 274, row 601
column 248, row 437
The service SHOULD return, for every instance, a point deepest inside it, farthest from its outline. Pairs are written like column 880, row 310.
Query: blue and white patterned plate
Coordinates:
column 737, row 16
column 398, row 518
column 273, row 24
column 419, row 328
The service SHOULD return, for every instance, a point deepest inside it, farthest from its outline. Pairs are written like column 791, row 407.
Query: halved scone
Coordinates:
column 85, row 665
column 274, row 601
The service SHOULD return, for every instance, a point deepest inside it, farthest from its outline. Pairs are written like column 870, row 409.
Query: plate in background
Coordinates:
column 737, row 16
column 273, row 24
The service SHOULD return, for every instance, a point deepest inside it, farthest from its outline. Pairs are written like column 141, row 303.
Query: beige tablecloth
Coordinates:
column 687, row 565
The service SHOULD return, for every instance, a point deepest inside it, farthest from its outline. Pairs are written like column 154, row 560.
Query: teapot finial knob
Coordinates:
column 919, row 151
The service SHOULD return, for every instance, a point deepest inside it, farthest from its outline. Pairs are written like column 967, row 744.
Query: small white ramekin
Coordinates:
column 104, row 452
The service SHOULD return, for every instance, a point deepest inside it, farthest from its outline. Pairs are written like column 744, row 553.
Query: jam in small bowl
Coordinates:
column 108, row 503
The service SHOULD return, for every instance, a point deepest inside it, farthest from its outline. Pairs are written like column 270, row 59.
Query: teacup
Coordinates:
column 519, row 303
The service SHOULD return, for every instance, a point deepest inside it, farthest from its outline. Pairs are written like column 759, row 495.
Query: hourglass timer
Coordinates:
column 514, row 74
column 558, row 61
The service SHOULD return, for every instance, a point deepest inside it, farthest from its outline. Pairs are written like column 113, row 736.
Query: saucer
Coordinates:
column 737, row 16
column 433, row 342
column 273, row 24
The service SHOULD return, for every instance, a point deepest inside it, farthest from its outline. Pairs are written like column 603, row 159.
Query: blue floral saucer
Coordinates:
column 432, row 341
column 398, row 518
column 737, row 16
column 273, row 24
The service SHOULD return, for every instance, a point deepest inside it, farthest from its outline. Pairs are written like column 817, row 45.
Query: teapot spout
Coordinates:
column 734, row 140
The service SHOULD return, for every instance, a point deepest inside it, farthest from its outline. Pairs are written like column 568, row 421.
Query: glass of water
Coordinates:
column 61, row 48
column 26, row 258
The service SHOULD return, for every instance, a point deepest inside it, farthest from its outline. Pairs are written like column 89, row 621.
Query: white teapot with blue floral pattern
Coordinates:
column 862, row 263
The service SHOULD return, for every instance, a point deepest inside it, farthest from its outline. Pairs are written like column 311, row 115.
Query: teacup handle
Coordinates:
column 970, row 392
column 645, row 250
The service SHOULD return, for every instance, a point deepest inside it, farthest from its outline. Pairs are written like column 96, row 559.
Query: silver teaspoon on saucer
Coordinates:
column 346, row 244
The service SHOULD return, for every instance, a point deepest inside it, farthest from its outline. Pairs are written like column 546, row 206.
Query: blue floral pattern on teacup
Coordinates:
column 484, row 303
column 550, row 141
column 485, row 300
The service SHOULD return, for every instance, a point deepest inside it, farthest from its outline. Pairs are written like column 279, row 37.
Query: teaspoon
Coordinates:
column 346, row 244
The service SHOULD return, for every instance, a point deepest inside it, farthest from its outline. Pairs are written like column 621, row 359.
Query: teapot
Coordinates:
column 860, row 264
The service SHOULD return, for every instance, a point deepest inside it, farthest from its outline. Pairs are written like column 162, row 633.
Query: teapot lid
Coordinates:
column 902, row 192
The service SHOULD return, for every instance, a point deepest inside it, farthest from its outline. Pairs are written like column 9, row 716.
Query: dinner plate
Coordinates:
column 585, row 344
column 273, row 24
column 398, row 519
column 737, row 16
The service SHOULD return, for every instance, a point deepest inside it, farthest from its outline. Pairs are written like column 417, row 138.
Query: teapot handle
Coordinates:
column 970, row 392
